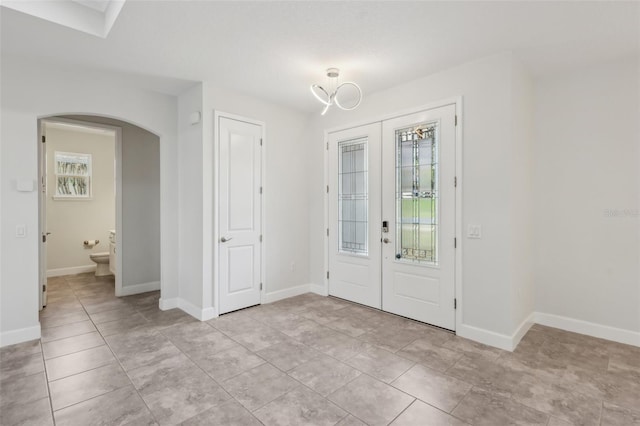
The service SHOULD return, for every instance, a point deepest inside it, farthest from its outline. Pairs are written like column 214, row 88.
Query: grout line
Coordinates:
column 46, row 379
column 405, row 409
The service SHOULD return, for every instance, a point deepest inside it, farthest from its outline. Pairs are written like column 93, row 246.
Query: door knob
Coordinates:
column 386, row 241
column 224, row 239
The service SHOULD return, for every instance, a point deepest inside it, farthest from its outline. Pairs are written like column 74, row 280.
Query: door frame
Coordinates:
column 217, row 115
column 458, row 276
column 118, row 187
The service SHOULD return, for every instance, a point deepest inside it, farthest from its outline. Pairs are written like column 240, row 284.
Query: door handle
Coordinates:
column 386, row 241
column 224, row 239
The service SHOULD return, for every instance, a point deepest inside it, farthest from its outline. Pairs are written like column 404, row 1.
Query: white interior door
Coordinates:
column 418, row 201
column 240, row 219
column 354, row 214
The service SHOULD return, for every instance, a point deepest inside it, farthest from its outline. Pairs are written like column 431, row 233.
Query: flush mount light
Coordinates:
column 327, row 99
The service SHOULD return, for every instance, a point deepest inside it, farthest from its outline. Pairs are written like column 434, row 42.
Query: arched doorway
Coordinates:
column 135, row 250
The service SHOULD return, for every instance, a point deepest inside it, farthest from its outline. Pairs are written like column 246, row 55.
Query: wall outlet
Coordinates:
column 474, row 231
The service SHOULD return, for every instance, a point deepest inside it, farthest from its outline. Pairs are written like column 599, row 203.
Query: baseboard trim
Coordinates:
column 166, row 304
column 20, row 335
column 128, row 290
column 71, row 270
column 196, row 312
column 522, row 329
column 619, row 335
column 318, row 289
column 491, row 338
column 285, row 293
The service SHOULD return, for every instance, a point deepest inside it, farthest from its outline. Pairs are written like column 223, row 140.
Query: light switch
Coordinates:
column 21, row 231
column 474, row 231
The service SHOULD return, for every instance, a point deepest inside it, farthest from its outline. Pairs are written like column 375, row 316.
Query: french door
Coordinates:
column 398, row 253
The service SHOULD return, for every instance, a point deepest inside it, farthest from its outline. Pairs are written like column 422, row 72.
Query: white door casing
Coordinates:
column 239, row 213
column 420, row 283
column 42, row 192
column 354, row 214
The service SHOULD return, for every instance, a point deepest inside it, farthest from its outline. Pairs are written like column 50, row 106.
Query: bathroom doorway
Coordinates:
column 79, row 164
column 115, row 236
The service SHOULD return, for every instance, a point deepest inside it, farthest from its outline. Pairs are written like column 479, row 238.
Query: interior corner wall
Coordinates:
column 191, row 236
column 30, row 92
column 286, row 187
column 487, row 156
column 141, row 193
column 587, row 199
column 523, row 209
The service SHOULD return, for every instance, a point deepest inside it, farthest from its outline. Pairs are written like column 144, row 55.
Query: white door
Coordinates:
column 240, row 219
column 392, row 215
column 354, row 215
column 418, row 201
column 42, row 157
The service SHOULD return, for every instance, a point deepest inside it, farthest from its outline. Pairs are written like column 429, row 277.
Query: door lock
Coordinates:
column 385, row 226
column 386, row 241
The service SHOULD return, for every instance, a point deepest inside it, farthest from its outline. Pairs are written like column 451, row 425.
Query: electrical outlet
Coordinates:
column 474, row 231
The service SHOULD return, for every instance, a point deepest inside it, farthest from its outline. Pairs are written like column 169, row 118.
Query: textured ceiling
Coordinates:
column 274, row 50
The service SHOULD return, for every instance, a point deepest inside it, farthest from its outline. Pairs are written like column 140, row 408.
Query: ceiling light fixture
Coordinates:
column 329, row 99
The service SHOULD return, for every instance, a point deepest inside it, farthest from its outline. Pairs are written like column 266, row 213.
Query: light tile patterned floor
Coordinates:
column 307, row 360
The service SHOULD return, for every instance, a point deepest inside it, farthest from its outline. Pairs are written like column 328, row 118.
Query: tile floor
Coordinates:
column 304, row 360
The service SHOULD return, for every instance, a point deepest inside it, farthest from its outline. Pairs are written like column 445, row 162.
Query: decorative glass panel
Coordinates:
column 417, row 193
column 73, row 175
column 353, row 196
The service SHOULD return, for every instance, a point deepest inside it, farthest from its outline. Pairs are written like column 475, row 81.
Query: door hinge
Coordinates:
column 327, row 274
column 327, row 232
column 260, row 190
column 260, row 237
column 455, row 303
column 44, row 287
column 44, row 138
column 455, row 243
column 327, row 189
column 456, row 121
column 260, row 141
column 260, row 286
column 327, row 146
column 455, row 181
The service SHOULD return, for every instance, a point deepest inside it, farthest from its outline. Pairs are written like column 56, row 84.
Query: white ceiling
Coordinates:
column 274, row 50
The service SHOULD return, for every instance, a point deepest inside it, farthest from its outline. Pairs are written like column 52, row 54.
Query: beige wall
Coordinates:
column 71, row 222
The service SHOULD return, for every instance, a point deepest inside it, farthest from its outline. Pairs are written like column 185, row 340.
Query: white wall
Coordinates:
column 587, row 196
column 489, row 160
column 192, row 237
column 286, row 237
column 72, row 221
column 286, row 185
column 523, row 209
column 31, row 91
column 141, row 230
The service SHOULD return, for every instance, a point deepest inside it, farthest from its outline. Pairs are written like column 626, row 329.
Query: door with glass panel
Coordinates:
column 354, row 215
column 418, row 205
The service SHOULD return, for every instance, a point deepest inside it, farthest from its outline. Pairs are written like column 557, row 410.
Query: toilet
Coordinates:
column 102, row 263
